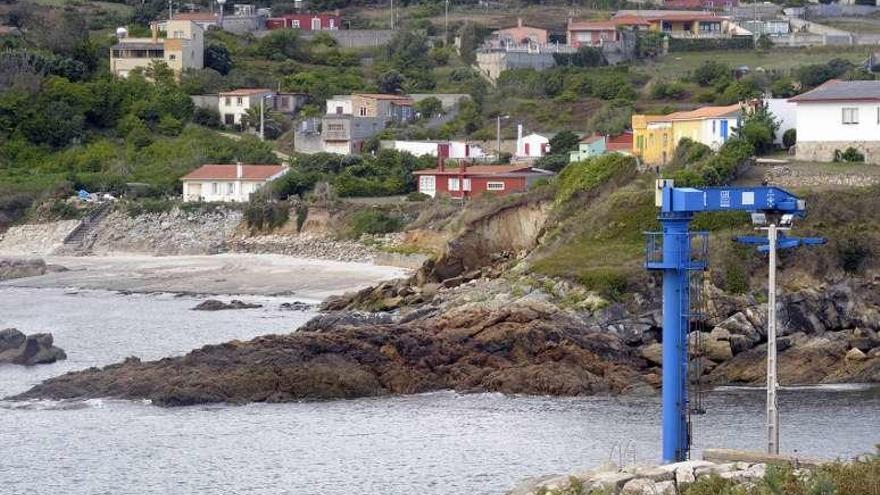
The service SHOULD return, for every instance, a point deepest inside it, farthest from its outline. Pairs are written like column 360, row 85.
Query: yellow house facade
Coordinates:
column 653, row 138
column 656, row 136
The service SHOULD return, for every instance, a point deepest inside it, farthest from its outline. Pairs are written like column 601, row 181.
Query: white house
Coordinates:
column 531, row 146
column 838, row 115
column 446, row 149
column 233, row 105
column 228, row 183
column 785, row 112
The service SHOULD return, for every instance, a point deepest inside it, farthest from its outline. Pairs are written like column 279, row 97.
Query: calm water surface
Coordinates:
column 441, row 443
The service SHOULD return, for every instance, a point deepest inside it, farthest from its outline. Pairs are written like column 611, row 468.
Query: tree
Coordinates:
column 759, row 129
column 563, row 142
column 217, row 57
column 279, row 45
column 390, row 82
column 612, row 119
column 710, row 73
column 783, row 88
column 429, row 107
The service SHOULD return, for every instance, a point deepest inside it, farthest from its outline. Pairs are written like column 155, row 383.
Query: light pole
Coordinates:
column 498, row 133
column 262, row 116
column 220, row 4
column 773, row 242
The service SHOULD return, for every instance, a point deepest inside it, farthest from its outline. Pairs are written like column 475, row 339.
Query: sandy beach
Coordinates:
column 257, row 274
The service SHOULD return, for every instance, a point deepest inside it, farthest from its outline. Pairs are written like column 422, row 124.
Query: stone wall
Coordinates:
column 813, row 151
column 38, row 238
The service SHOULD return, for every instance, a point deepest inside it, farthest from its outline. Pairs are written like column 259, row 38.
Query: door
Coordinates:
column 428, row 185
column 526, row 149
column 724, row 130
column 316, row 24
column 443, row 150
column 194, row 191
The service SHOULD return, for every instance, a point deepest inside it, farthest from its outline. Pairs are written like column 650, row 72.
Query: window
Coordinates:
column 215, row 188
column 230, row 188
column 494, row 186
column 295, row 23
column 466, row 185
column 713, row 127
column 850, row 116
column 335, row 127
column 228, row 101
column 172, row 57
column 238, row 101
column 362, row 111
column 177, row 34
column 454, row 184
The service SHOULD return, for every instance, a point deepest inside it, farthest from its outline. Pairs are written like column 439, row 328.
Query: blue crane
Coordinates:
column 679, row 253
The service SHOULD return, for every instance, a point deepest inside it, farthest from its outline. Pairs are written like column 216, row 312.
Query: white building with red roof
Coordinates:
column 228, row 183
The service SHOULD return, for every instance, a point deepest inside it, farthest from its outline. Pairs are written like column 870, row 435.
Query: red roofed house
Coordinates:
column 228, row 183
column 682, row 23
column 598, row 33
column 469, row 181
column 305, row 22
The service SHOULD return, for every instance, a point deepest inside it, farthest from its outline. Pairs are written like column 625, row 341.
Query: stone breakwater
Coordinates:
column 305, row 246
column 174, row 232
column 667, row 479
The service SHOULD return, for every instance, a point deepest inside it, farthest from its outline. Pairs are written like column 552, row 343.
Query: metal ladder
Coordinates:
column 695, row 314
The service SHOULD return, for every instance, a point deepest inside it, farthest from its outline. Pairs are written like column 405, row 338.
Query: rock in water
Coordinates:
column 295, row 306
column 19, row 268
column 16, row 348
column 215, row 305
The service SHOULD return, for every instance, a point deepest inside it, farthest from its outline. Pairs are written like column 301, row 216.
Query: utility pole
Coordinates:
column 170, row 9
column 446, row 25
column 392, row 15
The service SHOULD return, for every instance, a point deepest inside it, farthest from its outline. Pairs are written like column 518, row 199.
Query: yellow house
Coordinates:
column 183, row 48
column 656, row 136
column 653, row 140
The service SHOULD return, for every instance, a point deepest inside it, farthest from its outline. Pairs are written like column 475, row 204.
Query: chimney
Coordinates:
column 239, row 170
column 519, row 22
column 154, row 32
column 519, row 136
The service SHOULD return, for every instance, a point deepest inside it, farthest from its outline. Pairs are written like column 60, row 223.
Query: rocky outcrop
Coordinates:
column 215, row 305
column 16, row 348
column 528, row 347
column 20, row 267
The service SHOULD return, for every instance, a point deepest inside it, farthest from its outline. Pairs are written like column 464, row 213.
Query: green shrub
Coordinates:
column 372, row 222
column 789, row 138
column 850, row 155
column 148, row 206
column 416, row 197
column 587, row 175
column 662, row 90
column 852, row 253
column 262, row 214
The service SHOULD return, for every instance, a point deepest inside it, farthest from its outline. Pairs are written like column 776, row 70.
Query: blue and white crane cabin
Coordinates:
column 682, row 256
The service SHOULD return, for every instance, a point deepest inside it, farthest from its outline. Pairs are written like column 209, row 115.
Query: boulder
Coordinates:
column 856, row 355
column 38, row 348
column 11, row 338
column 740, row 324
column 295, row 306
column 653, row 353
column 21, row 267
column 215, row 305
column 740, row 343
column 645, row 486
column 719, row 333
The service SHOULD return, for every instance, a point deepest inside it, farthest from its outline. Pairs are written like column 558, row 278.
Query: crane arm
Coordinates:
column 767, row 199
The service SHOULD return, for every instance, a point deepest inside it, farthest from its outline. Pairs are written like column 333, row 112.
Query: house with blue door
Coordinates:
column 712, row 126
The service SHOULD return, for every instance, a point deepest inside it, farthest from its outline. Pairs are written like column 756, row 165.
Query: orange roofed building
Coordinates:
column 228, row 183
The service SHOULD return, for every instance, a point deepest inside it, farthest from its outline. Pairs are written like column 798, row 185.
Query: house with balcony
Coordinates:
column 601, row 33
column 352, row 119
column 228, row 182
column 519, row 36
column 182, row 48
column 687, row 24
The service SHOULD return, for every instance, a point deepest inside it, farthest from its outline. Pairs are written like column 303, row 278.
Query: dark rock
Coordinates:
column 38, row 348
column 215, row 305
column 19, row 268
column 11, row 338
column 295, row 306
column 531, row 348
column 328, row 321
column 740, row 343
